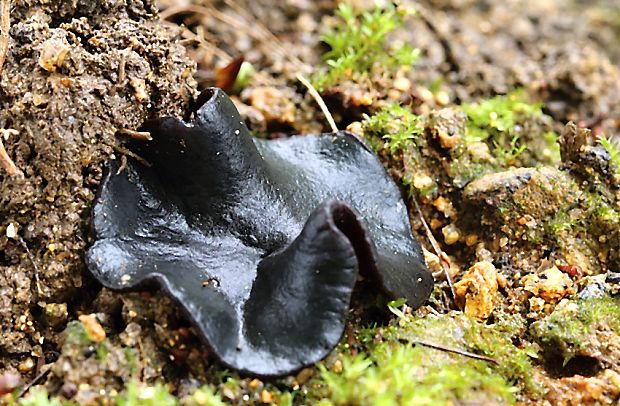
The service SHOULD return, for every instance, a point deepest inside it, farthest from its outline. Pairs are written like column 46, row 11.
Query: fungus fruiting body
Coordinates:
column 260, row 242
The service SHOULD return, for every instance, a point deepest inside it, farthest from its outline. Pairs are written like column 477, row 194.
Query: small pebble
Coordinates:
column 53, row 53
column 422, row 181
column 266, row 397
column 55, row 314
column 403, row 84
column 471, row 240
column 442, row 98
column 68, row 390
column 451, row 234
column 551, row 285
column 303, row 375
column 11, row 231
column 425, row 95
column 8, row 382
column 435, row 223
column 95, row 332
column 477, row 291
column 26, row 365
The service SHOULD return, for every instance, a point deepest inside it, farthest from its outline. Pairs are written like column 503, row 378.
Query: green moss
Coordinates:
column 501, row 122
column 600, row 210
column 102, row 351
column 359, row 42
column 131, row 355
column 394, row 124
column 462, row 170
column 510, row 152
column 395, row 375
column 203, row 396
column 568, row 329
column 552, row 149
column 142, row 395
column 614, row 152
column 390, row 371
column 240, row 390
column 246, row 71
column 561, row 223
column 587, row 315
column 40, row 397
column 497, row 115
column 135, row 394
column 514, row 363
column 75, row 334
column 591, row 213
column 495, row 341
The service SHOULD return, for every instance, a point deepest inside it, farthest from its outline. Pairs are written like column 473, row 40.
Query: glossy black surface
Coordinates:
column 259, row 241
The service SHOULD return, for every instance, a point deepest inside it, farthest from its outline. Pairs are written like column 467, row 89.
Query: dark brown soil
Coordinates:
column 76, row 74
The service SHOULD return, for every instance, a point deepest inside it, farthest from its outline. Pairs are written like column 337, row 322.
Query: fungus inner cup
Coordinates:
column 349, row 223
column 282, row 226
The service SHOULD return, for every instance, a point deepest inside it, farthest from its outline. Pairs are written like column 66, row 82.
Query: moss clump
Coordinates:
column 602, row 214
column 614, row 152
column 498, row 115
column 38, row 397
column 495, row 341
column 397, row 135
column 393, row 369
column 500, row 121
column 394, row 124
column 573, row 326
column 562, row 222
column 591, row 215
column 203, row 396
column 395, row 375
column 75, row 334
column 136, row 394
column 502, row 132
column 359, row 42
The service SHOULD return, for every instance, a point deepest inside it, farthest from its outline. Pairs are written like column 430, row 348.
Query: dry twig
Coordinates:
column 449, row 349
column 121, row 68
column 136, row 135
column 317, row 97
column 135, row 156
column 35, row 381
column 5, row 25
column 7, row 163
column 443, row 258
column 21, row 242
column 123, row 165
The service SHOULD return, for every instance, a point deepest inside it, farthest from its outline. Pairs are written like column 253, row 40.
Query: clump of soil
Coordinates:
column 76, row 74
